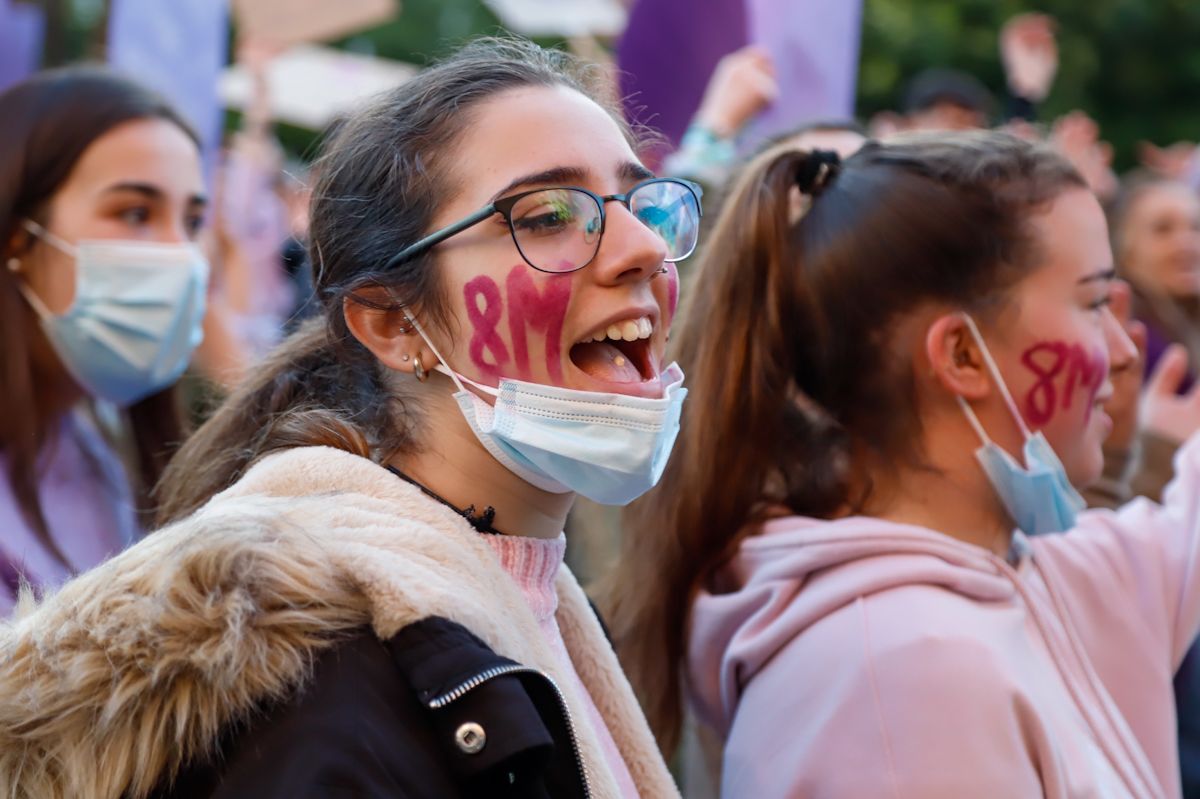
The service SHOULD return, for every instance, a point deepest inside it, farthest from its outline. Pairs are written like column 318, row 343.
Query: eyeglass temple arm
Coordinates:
column 436, row 238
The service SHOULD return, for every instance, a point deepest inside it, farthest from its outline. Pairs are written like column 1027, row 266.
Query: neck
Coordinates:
column 951, row 495
column 454, row 465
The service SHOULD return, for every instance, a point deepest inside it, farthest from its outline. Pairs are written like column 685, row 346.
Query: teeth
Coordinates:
column 628, row 330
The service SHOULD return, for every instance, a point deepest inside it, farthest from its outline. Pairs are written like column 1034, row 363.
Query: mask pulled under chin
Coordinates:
column 610, row 448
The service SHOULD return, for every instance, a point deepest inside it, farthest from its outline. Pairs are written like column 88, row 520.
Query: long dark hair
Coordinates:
column 49, row 121
column 383, row 176
column 796, row 391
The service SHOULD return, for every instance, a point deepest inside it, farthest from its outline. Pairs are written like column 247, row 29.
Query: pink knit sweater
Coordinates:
column 533, row 563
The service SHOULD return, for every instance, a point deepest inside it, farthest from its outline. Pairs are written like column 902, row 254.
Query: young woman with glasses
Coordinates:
column 361, row 592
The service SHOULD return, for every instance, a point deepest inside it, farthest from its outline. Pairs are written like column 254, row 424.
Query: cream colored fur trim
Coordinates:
column 134, row 667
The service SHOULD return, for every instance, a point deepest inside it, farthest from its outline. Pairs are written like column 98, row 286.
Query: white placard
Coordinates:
column 310, row 86
column 295, row 21
column 561, row 17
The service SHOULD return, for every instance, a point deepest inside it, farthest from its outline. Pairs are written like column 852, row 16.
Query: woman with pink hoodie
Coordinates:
column 867, row 561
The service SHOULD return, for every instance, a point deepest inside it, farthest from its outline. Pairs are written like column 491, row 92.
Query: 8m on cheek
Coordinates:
column 1079, row 370
column 542, row 308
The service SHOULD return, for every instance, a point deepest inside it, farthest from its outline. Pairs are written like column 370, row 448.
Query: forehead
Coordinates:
column 1072, row 235
column 528, row 130
column 1166, row 198
column 151, row 151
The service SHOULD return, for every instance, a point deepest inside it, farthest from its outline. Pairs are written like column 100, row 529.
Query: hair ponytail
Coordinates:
column 801, row 386
column 746, row 417
column 314, row 390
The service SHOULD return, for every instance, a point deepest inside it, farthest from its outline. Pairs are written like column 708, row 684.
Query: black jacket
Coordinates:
column 431, row 712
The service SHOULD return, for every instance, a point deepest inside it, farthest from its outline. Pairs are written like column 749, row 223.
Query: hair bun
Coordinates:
column 816, row 171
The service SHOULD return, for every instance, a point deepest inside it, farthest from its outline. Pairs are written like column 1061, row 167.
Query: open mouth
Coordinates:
column 620, row 353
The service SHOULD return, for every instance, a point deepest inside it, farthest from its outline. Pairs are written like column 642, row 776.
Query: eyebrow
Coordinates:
column 152, row 192
column 628, row 171
column 1103, row 275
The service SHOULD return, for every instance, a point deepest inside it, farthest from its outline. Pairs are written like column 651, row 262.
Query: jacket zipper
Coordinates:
column 463, row 688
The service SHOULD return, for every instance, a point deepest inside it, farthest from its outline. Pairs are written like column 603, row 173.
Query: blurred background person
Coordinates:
column 101, row 299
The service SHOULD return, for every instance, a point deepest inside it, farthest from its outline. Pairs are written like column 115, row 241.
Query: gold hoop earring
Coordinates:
column 419, row 370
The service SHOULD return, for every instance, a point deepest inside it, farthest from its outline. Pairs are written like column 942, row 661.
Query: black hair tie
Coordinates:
column 816, row 171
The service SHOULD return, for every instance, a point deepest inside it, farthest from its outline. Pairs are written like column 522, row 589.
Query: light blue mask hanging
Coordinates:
column 1038, row 496
column 611, row 448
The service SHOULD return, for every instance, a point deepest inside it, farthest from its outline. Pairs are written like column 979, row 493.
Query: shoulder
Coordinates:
column 374, row 719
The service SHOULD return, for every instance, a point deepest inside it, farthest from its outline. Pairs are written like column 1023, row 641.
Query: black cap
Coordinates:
column 934, row 86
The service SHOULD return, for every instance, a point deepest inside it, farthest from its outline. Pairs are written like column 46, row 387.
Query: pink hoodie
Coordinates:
column 862, row 658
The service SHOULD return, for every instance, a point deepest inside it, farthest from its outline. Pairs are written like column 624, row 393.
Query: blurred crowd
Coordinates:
column 109, row 365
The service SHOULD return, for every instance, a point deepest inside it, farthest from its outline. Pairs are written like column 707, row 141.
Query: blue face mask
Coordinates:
column 1038, row 497
column 136, row 317
column 611, row 448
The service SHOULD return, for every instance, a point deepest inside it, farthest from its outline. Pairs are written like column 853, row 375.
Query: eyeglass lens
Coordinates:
column 558, row 230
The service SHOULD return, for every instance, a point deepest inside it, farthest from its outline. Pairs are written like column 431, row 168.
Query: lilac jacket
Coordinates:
column 863, row 658
column 87, row 504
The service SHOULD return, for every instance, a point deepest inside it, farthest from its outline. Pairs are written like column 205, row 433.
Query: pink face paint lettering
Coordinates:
column 1050, row 360
column 543, row 311
column 484, row 319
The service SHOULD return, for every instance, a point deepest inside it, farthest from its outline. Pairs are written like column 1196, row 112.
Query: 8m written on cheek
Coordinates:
column 1049, row 360
column 542, row 309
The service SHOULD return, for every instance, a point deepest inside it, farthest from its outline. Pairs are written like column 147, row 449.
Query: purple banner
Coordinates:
column 670, row 48
column 814, row 44
column 179, row 48
column 667, row 54
column 22, row 31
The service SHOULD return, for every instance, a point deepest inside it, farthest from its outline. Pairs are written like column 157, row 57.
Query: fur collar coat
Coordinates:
column 134, row 669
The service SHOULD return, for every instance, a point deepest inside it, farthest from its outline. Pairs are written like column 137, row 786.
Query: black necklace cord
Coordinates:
column 482, row 522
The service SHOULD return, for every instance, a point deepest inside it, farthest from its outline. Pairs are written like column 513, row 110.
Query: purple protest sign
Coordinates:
column 670, row 48
column 814, row 44
column 667, row 53
column 179, row 48
column 22, row 29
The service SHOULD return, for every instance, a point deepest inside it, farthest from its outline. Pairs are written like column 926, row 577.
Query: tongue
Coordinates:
column 604, row 361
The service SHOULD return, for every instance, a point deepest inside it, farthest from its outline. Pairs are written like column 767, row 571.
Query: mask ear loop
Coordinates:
column 995, row 371
column 441, row 366
column 54, row 241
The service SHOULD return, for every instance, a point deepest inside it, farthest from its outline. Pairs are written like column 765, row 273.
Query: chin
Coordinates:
column 1085, row 469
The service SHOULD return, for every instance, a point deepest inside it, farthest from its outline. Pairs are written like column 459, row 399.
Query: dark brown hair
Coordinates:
column 383, row 176
column 49, row 121
column 795, row 389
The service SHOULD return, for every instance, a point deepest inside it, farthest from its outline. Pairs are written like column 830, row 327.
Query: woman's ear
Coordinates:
column 956, row 359
column 380, row 324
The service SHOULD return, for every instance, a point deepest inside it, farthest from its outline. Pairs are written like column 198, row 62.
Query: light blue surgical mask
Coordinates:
column 136, row 317
column 1038, row 496
column 611, row 448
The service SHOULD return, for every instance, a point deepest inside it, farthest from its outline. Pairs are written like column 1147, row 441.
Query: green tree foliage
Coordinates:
column 1134, row 65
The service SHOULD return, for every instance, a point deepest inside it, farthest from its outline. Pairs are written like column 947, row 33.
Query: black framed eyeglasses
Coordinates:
column 558, row 230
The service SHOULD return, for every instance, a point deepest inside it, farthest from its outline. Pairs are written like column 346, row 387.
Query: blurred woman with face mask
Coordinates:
column 101, row 299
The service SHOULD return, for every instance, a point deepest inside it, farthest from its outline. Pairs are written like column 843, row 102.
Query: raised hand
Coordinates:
column 1077, row 136
column 1165, row 412
column 1030, row 54
column 741, row 86
column 1172, row 161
